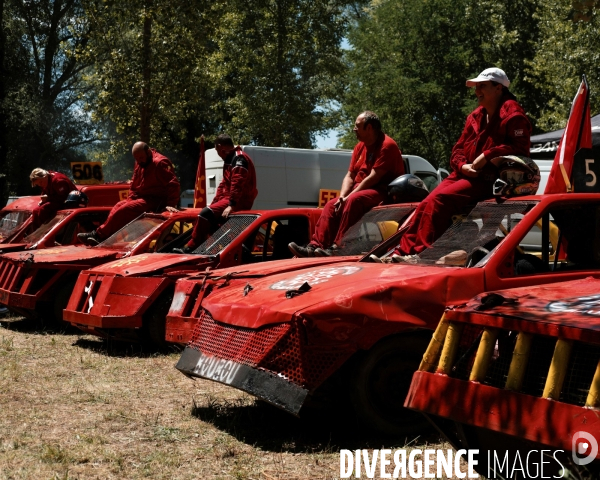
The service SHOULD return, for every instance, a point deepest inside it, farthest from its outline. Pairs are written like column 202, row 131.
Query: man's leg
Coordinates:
column 434, row 214
column 327, row 226
column 355, row 207
column 42, row 214
column 209, row 220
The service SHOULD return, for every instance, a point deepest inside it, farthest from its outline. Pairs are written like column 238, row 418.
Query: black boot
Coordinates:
column 308, row 251
column 89, row 238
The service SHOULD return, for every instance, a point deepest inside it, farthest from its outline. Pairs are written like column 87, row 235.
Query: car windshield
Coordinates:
column 11, row 220
column 129, row 236
column 226, row 233
column 38, row 234
column 486, row 225
column 373, row 228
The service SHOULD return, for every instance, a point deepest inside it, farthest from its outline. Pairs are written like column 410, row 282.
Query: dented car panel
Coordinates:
column 352, row 307
column 31, row 278
column 554, row 331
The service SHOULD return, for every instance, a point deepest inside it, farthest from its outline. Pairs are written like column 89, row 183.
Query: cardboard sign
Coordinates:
column 326, row 195
column 87, row 173
column 586, row 172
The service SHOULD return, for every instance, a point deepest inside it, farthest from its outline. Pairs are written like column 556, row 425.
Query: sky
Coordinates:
column 327, row 141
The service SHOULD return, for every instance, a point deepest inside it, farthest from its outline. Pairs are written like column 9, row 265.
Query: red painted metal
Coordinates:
column 351, row 306
column 30, row 277
column 142, row 270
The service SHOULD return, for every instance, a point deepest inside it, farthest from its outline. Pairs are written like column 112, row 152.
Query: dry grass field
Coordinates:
column 75, row 407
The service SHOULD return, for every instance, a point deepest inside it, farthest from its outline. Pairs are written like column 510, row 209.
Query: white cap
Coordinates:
column 492, row 75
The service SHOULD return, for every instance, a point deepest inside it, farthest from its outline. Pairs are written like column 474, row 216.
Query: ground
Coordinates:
column 75, row 407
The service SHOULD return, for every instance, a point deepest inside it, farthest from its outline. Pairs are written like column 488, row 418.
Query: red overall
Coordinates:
column 237, row 190
column 154, row 186
column 507, row 133
column 58, row 189
column 383, row 154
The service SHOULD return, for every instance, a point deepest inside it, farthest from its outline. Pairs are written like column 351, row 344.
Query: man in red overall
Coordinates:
column 376, row 161
column 154, row 188
column 498, row 127
column 236, row 191
column 55, row 190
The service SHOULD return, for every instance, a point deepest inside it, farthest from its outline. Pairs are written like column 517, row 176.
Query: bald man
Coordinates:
column 154, row 188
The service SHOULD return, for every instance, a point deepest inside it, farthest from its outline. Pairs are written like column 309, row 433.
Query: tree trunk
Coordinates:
column 3, row 146
column 145, row 110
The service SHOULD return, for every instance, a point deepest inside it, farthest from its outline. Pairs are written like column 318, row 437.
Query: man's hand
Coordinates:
column 468, row 171
column 172, row 209
column 479, row 162
column 339, row 203
column 227, row 211
column 43, row 200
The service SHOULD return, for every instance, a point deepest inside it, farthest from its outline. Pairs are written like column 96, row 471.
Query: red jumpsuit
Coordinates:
column 58, row 189
column 507, row 133
column 236, row 190
column 154, row 187
column 383, row 154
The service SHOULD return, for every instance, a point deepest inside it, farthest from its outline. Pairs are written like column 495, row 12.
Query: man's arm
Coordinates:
column 167, row 177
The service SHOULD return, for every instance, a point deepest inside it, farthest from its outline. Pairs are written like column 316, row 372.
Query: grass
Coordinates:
column 75, row 407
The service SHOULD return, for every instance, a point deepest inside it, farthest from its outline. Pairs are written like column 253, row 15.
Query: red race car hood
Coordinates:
column 67, row 254
column 12, row 247
column 354, row 289
column 148, row 263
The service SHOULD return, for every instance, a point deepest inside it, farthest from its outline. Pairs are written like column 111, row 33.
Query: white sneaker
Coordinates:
column 412, row 259
column 457, row 258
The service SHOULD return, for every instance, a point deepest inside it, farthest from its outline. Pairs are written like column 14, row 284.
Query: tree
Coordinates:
column 42, row 85
column 410, row 61
column 277, row 66
column 569, row 42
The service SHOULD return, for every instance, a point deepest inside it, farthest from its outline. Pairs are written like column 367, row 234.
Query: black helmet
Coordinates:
column 407, row 188
column 518, row 176
column 76, row 199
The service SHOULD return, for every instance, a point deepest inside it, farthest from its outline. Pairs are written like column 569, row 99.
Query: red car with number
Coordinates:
column 520, row 373
column 358, row 330
column 247, row 238
column 39, row 282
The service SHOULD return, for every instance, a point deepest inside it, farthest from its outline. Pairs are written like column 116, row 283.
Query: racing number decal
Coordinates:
column 583, row 305
column 314, row 277
column 129, row 261
column 87, row 173
column 588, row 171
column 326, row 195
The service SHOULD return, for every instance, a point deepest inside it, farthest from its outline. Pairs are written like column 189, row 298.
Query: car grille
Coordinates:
column 541, row 369
column 279, row 349
column 11, row 276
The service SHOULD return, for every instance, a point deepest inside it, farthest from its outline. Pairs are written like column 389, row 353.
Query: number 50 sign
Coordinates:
column 87, row 173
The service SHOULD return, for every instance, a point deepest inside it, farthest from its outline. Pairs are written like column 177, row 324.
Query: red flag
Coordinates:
column 200, row 186
column 577, row 134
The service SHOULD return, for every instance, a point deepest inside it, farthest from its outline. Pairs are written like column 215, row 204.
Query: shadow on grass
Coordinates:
column 325, row 430
column 123, row 349
column 37, row 326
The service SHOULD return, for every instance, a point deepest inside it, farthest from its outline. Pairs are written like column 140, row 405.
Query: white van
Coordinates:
column 292, row 177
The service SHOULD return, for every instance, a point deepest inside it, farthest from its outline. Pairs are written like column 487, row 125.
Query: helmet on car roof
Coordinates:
column 76, row 199
column 517, row 176
column 407, row 188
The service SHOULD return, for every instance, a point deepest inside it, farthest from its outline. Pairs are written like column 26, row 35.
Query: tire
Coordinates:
column 60, row 303
column 154, row 324
column 381, row 382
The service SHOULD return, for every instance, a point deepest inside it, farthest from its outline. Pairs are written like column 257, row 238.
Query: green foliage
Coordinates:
column 568, row 47
column 410, row 61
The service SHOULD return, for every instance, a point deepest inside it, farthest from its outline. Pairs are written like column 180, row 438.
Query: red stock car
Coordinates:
column 360, row 329
column 247, row 238
column 39, row 283
column 15, row 218
column 518, row 371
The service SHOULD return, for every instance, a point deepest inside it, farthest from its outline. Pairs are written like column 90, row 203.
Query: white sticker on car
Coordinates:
column 314, row 277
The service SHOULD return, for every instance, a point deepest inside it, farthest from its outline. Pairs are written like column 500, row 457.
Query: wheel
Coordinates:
column 60, row 303
column 154, row 323
column 381, row 382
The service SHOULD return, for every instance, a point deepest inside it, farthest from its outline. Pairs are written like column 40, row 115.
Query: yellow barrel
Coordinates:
column 432, row 354
column 484, row 354
column 450, row 347
column 518, row 363
column 558, row 369
column 593, row 398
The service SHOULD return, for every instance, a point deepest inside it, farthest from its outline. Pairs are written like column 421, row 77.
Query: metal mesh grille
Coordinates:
column 501, row 358
column 584, row 359
column 234, row 225
column 469, row 341
column 11, row 276
column 540, row 356
column 476, row 230
column 373, row 228
column 278, row 349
